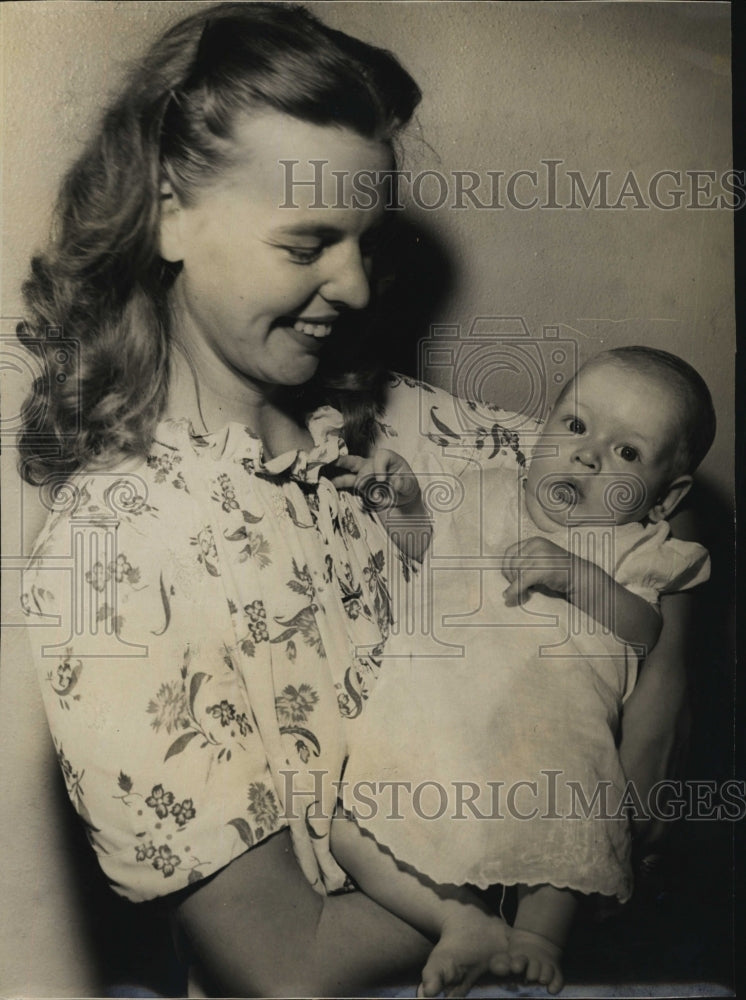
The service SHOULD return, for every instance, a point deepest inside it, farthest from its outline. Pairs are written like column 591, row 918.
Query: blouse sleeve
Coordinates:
column 659, row 564
column 424, row 423
column 136, row 690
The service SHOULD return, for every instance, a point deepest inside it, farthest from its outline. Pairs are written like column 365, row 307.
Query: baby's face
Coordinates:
column 606, row 453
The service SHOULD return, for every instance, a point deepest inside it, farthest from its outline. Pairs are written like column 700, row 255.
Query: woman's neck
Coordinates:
column 201, row 393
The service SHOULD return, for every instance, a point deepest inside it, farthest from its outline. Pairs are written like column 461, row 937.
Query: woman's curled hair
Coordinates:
column 101, row 283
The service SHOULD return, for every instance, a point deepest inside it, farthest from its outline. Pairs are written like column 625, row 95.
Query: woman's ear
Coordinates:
column 170, row 241
column 669, row 501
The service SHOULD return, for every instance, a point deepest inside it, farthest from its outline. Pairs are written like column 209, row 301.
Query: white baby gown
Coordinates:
column 494, row 759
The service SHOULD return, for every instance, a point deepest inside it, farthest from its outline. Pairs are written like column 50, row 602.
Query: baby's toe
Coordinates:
column 533, row 970
column 500, row 964
column 451, row 974
column 546, row 973
column 518, row 964
column 439, row 973
column 557, row 981
column 460, row 989
column 430, row 985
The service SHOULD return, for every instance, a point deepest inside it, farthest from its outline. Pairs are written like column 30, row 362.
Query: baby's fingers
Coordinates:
column 343, row 480
column 514, row 559
column 512, row 595
column 352, row 463
column 377, row 492
column 513, row 550
column 520, row 587
column 347, row 471
column 383, row 463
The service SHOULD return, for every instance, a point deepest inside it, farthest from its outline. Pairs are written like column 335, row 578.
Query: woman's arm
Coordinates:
column 656, row 717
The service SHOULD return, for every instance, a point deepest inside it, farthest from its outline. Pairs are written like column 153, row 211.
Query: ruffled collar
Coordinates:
column 237, row 443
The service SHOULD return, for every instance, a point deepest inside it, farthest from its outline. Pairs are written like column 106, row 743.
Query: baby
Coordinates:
column 539, row 700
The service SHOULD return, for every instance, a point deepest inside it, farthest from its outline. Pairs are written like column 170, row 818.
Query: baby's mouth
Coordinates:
column 565, row 492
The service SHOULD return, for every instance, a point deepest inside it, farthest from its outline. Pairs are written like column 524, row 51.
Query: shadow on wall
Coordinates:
column 418, row 280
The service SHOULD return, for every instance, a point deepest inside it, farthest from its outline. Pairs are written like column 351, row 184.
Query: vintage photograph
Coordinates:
column 368, row 553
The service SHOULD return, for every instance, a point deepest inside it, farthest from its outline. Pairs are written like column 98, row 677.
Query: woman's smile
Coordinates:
column 312, row 328
column 261, row 285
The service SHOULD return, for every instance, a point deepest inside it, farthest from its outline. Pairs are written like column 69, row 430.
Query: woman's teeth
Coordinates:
column 312, row 329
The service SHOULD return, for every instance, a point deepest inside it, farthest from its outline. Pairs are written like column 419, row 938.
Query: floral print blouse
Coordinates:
column 206, row 623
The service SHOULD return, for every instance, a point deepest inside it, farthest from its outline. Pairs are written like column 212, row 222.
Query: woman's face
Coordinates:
column 270, row 262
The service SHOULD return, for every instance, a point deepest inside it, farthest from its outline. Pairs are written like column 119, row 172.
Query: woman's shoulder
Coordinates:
column 106, row 527
column 419, row 415
column 128, row 496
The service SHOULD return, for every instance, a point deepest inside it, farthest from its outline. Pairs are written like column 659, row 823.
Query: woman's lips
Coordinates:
column 318, row 329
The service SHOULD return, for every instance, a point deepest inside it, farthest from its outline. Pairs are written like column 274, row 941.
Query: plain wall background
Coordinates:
column 617, row 87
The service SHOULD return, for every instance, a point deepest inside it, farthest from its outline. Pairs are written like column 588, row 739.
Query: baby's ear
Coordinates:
column 170, row 242
column 670, row 499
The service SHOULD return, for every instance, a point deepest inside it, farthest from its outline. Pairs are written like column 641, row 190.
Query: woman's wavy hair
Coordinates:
column 101, row 282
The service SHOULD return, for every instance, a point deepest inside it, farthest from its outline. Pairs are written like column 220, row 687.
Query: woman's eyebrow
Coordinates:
column 325, row 231
column 310, row 229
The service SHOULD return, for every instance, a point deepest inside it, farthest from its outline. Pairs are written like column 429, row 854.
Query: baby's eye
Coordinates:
column 628, row 453
column 576, row 426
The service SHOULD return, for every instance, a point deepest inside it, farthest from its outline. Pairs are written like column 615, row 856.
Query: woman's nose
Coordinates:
column 347, row 280
column 587, row 456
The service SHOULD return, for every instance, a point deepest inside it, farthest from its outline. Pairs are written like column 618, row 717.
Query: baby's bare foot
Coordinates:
column 536, row 958
column 471, row 941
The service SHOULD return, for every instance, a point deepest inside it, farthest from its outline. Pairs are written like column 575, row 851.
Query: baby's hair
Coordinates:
column 698, row 421
column 101, row 281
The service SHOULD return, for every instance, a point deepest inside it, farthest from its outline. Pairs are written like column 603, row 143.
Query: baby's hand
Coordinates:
column 384, row 480
column 536, row 562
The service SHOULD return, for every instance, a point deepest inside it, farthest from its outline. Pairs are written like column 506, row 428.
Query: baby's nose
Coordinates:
column 588, row 457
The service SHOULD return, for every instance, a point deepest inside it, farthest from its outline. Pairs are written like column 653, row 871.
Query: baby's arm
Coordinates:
column 470, row 939
column 537, row 563
column 388, row 485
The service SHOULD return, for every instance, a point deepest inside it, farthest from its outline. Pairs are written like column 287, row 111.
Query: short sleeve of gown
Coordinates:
column 656, row 563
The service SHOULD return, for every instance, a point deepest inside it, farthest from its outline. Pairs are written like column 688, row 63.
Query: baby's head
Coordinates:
column 622, row 440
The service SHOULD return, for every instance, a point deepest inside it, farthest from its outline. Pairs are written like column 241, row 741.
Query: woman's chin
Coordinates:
column 297, row 374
